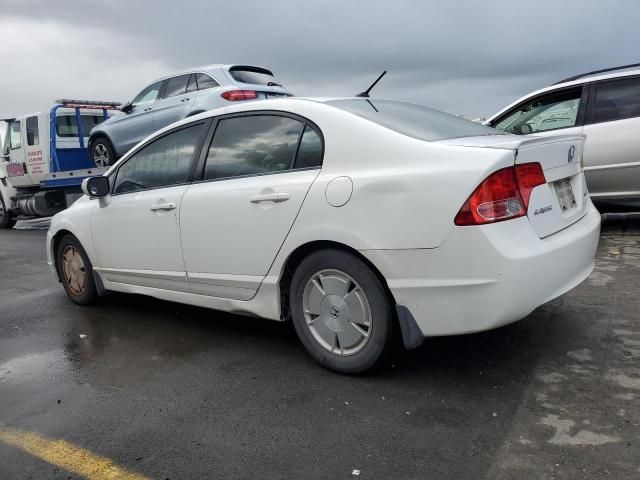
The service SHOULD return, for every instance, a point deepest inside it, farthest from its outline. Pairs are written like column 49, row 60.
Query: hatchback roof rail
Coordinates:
column 604, row 70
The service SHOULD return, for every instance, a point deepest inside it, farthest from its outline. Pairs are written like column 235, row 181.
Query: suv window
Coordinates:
column 33, row 133
column 163, row 162
column 192, row 86
column 251, row 145
column 176, row 86
column 616, row 100
column 148, row 95
column 14, row 135
column 205, row 81
column 310, row 150
column 549, row 112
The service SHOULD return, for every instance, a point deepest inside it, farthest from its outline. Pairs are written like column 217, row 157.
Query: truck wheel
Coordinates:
column 6, row 220
column 76, row 271
column 102, row 153
column 340, row 311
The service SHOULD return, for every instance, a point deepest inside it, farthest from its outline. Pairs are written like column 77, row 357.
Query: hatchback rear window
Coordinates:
column 253, row 75
column 413, row 120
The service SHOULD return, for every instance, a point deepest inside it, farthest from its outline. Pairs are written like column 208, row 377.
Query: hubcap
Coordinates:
column 101, row 155
column 337, row 312
column 74, row 271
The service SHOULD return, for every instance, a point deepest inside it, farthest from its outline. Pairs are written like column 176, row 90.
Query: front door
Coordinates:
column 234, row 222
column 135, row 230
column 127, row 129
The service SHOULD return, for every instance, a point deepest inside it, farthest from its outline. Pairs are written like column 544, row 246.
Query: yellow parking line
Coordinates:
column 67, row 456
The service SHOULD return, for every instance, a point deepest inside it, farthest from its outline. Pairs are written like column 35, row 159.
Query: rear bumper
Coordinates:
column 487, row 276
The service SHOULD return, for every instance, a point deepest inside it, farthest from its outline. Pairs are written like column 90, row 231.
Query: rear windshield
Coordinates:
column 255, row 76
column 66, row 125
column 413, row 120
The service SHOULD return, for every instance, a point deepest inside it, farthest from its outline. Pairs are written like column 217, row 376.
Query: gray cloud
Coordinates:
column 466, row 57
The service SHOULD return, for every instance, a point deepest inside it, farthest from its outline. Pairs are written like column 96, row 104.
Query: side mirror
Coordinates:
column 126, row 108
column 95, row 186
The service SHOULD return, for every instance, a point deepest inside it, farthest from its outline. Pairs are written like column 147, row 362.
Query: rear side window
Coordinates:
column 251, row 145
column 14, row 135
column 616, row 100
column 413, row 120
column 66, row 125
column 549, row 112
column 33, row 132
column 163, row 162
column 205, row 81
column 176, row 86
column 253, row 75
column 310, row 150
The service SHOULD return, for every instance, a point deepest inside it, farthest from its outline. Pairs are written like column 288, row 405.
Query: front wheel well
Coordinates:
column 54, row 248
column 296, row 257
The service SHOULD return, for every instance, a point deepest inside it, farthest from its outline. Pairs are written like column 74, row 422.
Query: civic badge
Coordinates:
column 571, row 154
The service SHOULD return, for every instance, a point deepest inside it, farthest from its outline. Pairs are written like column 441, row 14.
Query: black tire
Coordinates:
column 88, row 294
column 364, row 280
column 7, row 221
column 102, row 152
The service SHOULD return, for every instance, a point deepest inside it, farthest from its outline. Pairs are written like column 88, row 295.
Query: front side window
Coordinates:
column 67, row 126
column 148, row 95
column 558, row 110
column 176, row 86
column 163, row 162
column 14, row 135
column 205, row 81
column 251, row 145
column 33, row 133
column 617, row 100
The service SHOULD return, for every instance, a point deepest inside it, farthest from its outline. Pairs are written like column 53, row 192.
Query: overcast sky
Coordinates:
column 465, row 57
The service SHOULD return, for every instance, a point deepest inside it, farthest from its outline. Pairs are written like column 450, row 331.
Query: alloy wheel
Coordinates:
column 101, row 155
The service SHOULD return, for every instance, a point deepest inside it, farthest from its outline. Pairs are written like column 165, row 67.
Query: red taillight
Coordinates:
column 502, row 195
column 236, row 95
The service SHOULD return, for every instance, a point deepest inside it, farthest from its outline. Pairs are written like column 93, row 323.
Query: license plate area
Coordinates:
column 564, row 191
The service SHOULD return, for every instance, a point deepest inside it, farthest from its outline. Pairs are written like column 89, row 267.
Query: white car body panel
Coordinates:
column 399, row 214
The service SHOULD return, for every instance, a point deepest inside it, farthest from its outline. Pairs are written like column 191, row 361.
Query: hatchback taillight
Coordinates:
column 503, row 195
column 236, row 95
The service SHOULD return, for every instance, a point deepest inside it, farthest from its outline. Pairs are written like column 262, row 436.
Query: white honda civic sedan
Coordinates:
column 350, row 217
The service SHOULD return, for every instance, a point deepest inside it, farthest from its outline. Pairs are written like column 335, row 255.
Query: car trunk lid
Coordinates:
column 563, row 199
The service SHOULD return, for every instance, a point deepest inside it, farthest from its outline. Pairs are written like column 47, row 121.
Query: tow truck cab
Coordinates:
column 45, row 157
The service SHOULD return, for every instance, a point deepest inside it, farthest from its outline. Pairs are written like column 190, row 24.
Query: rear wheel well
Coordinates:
column 301, row 252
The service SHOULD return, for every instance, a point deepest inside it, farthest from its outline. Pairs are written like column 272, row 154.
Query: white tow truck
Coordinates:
column 44, row 159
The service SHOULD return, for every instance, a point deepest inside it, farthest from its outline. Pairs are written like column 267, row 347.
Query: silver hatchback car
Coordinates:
column 175, row 97
column 603, row 105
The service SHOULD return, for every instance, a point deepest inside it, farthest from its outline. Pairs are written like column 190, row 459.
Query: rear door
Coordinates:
column 176, row 102
column 255, row 176
column 611, row 159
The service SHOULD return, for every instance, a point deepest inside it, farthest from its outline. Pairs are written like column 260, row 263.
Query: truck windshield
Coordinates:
column 66, row 125
column 413, row 120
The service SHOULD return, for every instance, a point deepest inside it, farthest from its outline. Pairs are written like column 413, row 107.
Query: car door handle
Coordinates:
column 163, row 207
column 185, row 99
column 271, row 197
column 147, row 109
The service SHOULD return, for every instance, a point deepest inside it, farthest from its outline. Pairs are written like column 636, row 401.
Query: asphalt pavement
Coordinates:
column 151, row 389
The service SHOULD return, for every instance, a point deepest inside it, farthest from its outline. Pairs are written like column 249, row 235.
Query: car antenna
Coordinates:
column 365, row 94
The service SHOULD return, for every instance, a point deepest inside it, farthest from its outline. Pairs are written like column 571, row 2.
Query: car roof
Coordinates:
column 211, row 68
column 587, row 78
